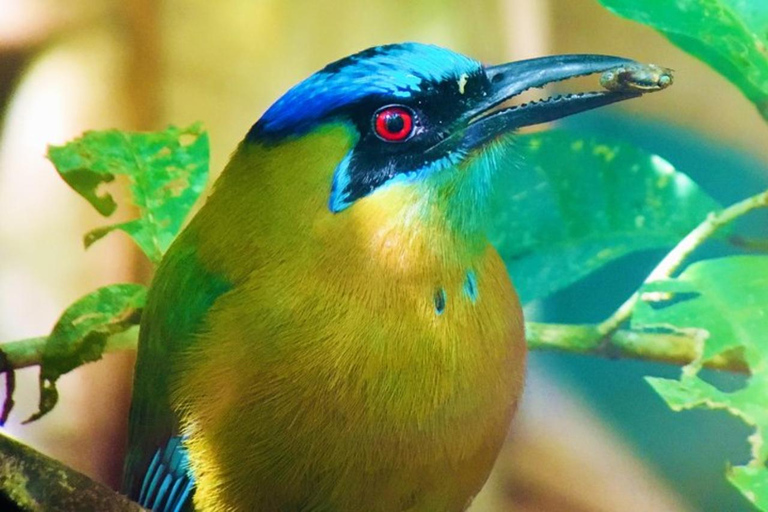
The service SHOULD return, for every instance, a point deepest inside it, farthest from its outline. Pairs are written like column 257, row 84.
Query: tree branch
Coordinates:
column 31, row 481
column 29, row 352
column 16, row 355
column 672, row 348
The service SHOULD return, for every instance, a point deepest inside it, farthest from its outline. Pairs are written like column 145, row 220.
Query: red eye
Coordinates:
column 393, row 124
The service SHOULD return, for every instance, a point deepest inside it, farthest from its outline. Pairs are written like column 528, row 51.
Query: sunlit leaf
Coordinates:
column 729, row 35
column 567, row 205
column 167, row 171
column 725, row 303
column 81, row 334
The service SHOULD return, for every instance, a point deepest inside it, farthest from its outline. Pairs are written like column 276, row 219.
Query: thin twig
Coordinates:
column 675, row 258
column 16, row 355
column 29, row 352
column 10, row 387
column 660, row 347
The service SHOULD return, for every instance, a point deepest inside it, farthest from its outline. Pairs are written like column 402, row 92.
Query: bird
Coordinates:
column 333, row 331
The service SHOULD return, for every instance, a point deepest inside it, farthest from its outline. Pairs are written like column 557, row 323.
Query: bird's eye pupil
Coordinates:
column 393, row 123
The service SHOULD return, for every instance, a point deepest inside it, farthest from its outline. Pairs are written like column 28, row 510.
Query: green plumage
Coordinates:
column 182, row 293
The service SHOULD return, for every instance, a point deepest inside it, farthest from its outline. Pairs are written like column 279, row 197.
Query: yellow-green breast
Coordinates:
column 359, row 362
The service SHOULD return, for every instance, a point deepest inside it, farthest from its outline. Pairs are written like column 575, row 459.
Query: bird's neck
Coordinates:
column 279, row 196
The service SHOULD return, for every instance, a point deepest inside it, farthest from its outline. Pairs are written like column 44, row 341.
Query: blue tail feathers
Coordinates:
column 168, row 485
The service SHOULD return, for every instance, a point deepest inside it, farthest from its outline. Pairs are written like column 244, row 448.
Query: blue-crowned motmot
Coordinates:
column 333, row 332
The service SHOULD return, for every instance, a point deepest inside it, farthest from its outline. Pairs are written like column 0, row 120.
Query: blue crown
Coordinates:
column 394, row 71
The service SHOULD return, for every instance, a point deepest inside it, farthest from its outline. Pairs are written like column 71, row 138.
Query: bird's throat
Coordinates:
column 401, row 230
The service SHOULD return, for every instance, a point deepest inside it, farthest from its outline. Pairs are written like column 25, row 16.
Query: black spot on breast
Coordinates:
column 439, row 299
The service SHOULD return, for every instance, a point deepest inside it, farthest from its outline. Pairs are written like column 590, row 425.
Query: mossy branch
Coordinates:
column 32, row 481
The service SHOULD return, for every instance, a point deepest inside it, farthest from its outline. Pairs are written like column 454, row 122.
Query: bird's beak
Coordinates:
column 622, row 79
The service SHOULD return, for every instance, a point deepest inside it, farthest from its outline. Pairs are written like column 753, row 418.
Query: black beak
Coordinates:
column 622, row 78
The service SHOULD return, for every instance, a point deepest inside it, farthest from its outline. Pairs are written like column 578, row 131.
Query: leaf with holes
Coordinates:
column 729, row 35
column 725, row 303
column 166, row 171
column 566, row 205
column 81, row 334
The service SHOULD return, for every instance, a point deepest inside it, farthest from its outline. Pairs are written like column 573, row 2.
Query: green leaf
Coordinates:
column 724, row 301
column 167, row 171
column 81, row 334
column 726, row 297
column 729, row 35
column 575, row 204
column 752, row 481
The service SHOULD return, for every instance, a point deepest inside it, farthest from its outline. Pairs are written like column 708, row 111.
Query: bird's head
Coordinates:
column 419, row 116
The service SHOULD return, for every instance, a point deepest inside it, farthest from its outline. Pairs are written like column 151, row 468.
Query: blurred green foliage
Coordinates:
column 573, row 205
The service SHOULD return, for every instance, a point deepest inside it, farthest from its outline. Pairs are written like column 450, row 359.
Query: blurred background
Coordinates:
column 591, row 436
